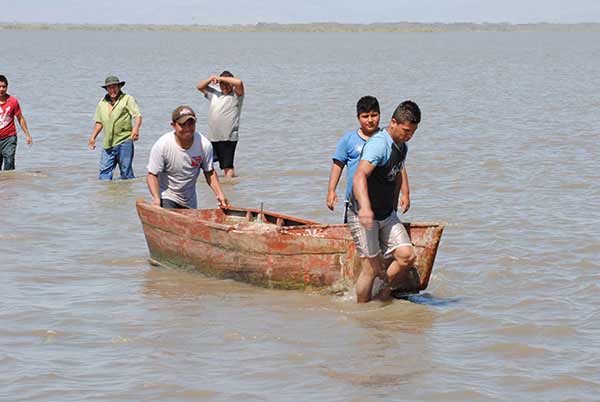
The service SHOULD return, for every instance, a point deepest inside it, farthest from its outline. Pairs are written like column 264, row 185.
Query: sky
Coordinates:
column 211, row 12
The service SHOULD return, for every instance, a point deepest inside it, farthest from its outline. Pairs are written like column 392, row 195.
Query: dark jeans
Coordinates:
column 166, row 203
column 8, row 148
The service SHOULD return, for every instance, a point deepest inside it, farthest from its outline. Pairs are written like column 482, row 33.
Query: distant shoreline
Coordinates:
column 319, row 27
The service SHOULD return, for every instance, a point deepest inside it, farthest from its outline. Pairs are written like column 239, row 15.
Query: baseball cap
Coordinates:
column 181, row 114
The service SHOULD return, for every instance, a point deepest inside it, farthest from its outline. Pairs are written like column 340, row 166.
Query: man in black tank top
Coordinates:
column 372, row 218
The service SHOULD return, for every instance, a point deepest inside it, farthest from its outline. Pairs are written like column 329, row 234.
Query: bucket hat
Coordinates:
column 111, row 80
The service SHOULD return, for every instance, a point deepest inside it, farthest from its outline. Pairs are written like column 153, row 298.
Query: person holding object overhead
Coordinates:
column 372, row 218
column 9, row 109
column 113, row 115
column 176, row 160
column 223, row 116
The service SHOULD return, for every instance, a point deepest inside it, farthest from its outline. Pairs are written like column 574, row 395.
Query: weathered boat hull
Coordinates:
column 277, row 251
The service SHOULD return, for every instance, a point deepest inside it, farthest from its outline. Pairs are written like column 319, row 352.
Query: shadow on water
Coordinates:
column 428, row 299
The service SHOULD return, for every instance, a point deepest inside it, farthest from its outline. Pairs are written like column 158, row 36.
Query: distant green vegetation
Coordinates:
column 320, row 27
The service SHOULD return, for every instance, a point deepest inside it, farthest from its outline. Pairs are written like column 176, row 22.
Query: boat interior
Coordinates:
column 235, row 216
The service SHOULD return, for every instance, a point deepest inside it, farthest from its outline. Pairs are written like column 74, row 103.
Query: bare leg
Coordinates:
column 371, row 266
column 399, row 270
column 229, row 173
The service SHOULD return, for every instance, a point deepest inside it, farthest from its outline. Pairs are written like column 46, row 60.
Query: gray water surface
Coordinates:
column 507, row 154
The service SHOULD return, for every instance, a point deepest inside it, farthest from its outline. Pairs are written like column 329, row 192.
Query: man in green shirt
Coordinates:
column 114, row 114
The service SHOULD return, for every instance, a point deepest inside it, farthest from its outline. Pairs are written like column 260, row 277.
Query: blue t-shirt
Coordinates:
column 348, row 151
column 380, row 149
column 388, row 159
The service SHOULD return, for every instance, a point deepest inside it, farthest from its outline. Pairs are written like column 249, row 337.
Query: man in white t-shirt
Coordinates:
column 223, row 116
column 176, row 160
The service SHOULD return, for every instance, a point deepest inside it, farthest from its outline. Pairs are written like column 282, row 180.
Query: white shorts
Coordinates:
column 384, row 237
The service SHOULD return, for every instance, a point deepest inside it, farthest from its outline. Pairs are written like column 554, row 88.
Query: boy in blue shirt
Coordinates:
column 349, row 149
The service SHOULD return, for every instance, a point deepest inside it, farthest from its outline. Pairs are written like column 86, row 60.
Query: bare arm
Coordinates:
column 203, row 85
column 235, row 82
column 154, row 187
column 402, row 187
column 361, row 192
column 92, row 141
column 135, row 131
column 213, row 181
column 334, row 177
column 23, row 125
column 405, row 189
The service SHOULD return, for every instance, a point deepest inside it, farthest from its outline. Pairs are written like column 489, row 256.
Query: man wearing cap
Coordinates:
column 114, row 114
column 223, row 116
column 176, row 160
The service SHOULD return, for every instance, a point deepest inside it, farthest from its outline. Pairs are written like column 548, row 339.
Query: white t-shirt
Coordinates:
column 178, row 169
column 223, row 115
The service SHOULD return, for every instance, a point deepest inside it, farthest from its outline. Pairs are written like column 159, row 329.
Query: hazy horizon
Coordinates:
column 314, row 27
column 108, row 24
column 203, row 12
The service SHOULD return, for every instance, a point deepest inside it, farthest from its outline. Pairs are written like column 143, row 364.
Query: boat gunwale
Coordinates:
column 309, row 225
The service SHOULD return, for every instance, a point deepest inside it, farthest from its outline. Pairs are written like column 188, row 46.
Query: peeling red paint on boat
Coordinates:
column 269, row 249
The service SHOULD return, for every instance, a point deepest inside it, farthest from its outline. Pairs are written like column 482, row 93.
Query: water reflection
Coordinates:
column 179, row 283
column 391, row 347
column 117, row 189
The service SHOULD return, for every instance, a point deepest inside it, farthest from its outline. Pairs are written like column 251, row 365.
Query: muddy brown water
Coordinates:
column 507, row 154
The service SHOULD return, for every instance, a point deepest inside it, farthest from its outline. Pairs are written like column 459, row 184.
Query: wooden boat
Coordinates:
column 270, row 249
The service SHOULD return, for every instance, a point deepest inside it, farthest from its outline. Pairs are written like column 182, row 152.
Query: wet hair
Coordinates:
column 226, row 74
column 3, row 79
column 367, row 104
column 407, row 111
